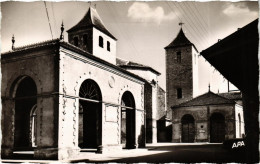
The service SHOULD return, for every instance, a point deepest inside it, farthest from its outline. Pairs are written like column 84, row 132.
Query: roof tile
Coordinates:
column 208, row 98
column 180, row 40
column 90, row 19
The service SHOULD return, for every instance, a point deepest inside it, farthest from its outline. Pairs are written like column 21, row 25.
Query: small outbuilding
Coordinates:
column 207, row 118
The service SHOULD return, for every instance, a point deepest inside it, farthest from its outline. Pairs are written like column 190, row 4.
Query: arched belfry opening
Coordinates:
column 188, row 128
column 25, row 123
column 128, row 121
column 217, row 128
column 90, row 115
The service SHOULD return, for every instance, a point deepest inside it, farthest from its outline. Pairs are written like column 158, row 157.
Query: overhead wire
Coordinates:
column 55, row 24
column 48, row 18
column 196, row 29
column 173, row 11
column 188, row 29
column 125, row 33
column 198, row 12
column 208, row 33
column 200, row 26
column 181, row 20
column 200, row 21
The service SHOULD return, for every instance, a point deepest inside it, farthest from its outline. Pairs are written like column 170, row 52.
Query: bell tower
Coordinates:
column 181, row 71
column 91, row 35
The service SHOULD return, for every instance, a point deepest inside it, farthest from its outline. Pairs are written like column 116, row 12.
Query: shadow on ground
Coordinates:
column 184, row 153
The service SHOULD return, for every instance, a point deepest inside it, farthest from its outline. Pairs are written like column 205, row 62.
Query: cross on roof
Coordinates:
column 181, row 23
column 90, row 4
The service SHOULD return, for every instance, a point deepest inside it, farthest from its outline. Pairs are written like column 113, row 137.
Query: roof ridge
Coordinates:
column 92, row 19
column 180, row 40
column 221, row 96
column 20, row 48
column 198, row 97
column 138, row 65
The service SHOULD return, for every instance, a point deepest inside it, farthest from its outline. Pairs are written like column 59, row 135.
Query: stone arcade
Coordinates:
column 60, row 98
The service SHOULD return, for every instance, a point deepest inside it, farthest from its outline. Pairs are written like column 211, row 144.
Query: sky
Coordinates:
column 143, row 29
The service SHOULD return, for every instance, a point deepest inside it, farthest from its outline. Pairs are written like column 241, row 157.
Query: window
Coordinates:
column 100, row 41
column 179, row 93
column 76, row 41
column 179, row 57
column 85, row 39
column 108, row 45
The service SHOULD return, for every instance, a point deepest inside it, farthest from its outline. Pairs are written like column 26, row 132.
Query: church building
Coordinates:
column 61, row 98
column 206, row 118
column 181, row 61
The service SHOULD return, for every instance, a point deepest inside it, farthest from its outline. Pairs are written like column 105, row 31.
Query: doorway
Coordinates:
column 128, row 121
column 90, row 115
column 217, row 128
column 188, row 129
column 25, row 129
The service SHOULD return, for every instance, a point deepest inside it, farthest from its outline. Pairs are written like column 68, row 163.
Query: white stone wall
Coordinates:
column 74, row 69
column 239, row 110
column 109, row 56
column 195, row 72
column 149, row 76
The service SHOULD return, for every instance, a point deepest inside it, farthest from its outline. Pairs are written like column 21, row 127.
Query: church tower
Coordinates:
column 181, row 71
column 91, row 35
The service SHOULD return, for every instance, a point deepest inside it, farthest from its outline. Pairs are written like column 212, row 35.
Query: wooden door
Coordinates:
column 217, row 128
column 188, row 129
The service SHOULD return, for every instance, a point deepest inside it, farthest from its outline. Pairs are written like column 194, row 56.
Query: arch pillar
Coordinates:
column 7, row 130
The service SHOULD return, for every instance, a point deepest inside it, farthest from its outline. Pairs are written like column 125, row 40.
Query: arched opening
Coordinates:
column 33, row 126
column 76, row 41
column 188, row 128
column 108, row 46
column 217, row 128
column 101, row 41
column 239, row 125
column 25, row 114
column 85, row 39
column 178, row 57
column 128, row 121
column 90, row 115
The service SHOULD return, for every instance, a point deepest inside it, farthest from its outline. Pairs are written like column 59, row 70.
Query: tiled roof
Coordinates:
column 129, row 64
column 33, row 46
column 180, row 40
column 91, row 19
column 56, row 43
column 208, row 98
column 232, row 95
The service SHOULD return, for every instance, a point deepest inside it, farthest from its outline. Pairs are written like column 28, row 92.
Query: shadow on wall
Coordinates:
column 164, row 133
column 141, row 138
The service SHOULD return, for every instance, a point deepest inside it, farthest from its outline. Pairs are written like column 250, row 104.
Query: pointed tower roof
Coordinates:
column 180, row 40
column 91, row 19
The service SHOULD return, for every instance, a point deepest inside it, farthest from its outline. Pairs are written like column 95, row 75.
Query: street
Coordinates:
column 169, row 152
column 155, row 153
